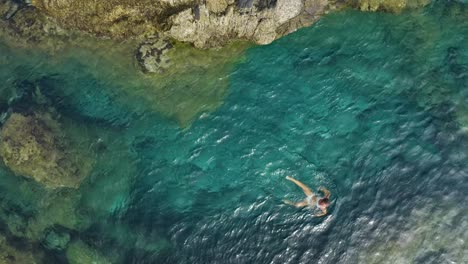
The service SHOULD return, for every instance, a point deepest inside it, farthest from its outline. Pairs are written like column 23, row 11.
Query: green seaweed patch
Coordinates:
column 35, row 146
column 80, row 253
column 10, row 254
column 57, row 209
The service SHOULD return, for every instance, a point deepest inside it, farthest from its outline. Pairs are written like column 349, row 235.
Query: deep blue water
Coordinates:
column 373, row 106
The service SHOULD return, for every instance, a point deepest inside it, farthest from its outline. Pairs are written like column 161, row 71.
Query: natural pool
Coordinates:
column 373, row 106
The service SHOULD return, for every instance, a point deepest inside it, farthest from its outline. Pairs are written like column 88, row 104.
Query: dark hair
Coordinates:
column 324, row 200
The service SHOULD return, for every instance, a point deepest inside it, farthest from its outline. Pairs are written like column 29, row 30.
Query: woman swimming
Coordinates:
column 311, row 200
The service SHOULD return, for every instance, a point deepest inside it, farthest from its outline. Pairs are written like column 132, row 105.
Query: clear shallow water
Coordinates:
column 372, row 106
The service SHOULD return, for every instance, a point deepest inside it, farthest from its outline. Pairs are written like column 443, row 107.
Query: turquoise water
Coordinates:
column 373, row 106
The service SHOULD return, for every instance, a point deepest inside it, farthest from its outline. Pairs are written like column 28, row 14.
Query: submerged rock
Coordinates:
column 34, row 146
column 56, row 240
column 59, row 211
column 152, row 55
column 12, row 255
column 80, row 253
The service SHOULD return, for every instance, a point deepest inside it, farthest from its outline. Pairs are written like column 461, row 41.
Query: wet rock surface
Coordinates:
column 152, row 55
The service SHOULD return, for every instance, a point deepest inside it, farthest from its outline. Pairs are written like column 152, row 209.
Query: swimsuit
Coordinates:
column 310, row 199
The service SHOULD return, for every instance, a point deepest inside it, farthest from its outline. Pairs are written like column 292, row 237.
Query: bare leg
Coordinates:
column 298, row 205
column 304, row 188
column 324, row 212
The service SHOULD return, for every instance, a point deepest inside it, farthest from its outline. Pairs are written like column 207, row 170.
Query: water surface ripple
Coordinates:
column 373, row 106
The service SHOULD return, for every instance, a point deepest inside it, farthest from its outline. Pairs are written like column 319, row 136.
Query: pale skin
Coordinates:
column 309, row 193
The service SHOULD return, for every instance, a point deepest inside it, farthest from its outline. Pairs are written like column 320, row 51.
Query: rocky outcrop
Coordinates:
column 34, row 146
column 204, row 27
column 205, row 23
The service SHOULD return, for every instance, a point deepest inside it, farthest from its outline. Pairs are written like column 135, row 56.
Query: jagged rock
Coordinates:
column 205, row 29
column 34, row 146
column 204, row 23
column 151, row 55
column 207, row 23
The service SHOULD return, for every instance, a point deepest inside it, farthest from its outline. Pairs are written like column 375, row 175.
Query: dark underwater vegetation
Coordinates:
column 105, row 164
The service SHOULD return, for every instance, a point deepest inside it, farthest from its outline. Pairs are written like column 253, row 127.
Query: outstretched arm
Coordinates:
column 298, row 205
column 325, row 191
column 304, row 188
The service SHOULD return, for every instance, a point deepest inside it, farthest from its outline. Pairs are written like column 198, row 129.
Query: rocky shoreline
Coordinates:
column 202, row 23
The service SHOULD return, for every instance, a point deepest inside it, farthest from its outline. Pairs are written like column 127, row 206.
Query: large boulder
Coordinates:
column 248, row 20
column 34, row 146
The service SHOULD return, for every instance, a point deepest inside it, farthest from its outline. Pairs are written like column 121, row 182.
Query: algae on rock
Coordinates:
column 118, row 19
column 80, row 253
column 34, row 146
column 12, row 255
column 210, row 23
column 389, row 5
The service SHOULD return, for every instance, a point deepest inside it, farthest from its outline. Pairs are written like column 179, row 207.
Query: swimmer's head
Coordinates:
column 324, row 202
